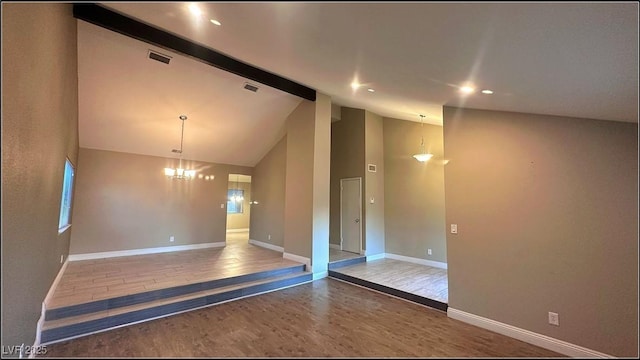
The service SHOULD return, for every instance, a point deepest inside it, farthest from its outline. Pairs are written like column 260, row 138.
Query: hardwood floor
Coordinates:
column 337, row 255
column 426, row 281
column 325, row 318
column 90, row 280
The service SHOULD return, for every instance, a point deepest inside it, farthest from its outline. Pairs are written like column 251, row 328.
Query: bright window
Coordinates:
column 234, row 201
column 67, row 192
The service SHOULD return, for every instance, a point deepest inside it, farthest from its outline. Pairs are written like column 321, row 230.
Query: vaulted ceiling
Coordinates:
column 569, row 59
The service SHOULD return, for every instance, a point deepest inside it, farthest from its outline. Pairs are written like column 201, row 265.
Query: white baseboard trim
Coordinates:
column 56, row 281
column 266, row 245
column 335, row 246
column 48, row 297
column 320, row 275
column 39, row 324
column 109, row 254
column 298, row 258
column 437, row 264
column 530, row 337
column 375, row 257
column 237, row 230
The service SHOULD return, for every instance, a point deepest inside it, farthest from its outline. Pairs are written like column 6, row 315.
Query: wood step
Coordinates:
column 346, row 262
column 163, row 293
column 391, row 291
column 89, row 323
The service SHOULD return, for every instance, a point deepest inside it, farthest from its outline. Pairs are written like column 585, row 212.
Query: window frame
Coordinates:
column 66, row 196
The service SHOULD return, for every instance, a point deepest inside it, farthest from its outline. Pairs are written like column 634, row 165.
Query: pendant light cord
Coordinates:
column 183, row 118
column 422, row 132
column 182, row 134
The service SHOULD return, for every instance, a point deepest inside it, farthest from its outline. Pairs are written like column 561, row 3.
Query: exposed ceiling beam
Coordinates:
column 127, row 26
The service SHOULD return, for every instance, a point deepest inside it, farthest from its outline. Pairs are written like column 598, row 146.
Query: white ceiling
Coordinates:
column 132, row 104
column 569, row 59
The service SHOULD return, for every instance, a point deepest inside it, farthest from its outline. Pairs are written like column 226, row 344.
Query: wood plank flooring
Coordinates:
column 426, row 281
column 89, row 280
column 325, row 318
column 337, row 255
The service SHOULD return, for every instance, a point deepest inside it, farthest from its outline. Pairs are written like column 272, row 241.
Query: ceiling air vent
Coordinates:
column 159, row 57
column 250, row 87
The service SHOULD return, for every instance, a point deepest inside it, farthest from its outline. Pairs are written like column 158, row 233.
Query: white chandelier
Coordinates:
column 422, row 156
column 180, row 172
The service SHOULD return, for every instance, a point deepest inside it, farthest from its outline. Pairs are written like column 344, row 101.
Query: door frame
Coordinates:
column 359, row 209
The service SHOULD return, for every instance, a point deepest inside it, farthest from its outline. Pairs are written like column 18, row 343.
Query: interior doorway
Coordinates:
column 238, row 208
column 351, row 215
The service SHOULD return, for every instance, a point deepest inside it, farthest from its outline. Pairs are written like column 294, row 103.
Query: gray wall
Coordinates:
column 547, row 214
column 268, row 187
column 124, row 202
column 39, row 130
column 374, row 220
column 347, row 161
column 414, row 191
column 241, row 220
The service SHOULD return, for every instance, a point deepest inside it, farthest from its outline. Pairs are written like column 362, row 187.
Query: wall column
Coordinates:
column 306, row 223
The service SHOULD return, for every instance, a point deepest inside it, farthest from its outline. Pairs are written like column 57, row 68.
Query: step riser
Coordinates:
column 88, row 327
column 391, row 291
column 107, row 304
column 347, row 262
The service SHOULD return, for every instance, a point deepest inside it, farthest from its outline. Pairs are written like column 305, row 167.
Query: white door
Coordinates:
column 351, row 215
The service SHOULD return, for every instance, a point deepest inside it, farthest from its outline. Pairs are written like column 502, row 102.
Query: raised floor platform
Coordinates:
column 97, row 295
column 421, row 284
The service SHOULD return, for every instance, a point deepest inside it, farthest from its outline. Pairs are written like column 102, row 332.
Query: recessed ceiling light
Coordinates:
column 467, row 89
column 488, row 92
column 355, row 85
column 195, row 10
column 371, row 90
column 215, row 22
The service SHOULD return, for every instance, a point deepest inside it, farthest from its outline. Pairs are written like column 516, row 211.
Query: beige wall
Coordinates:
column 240, row 221
column 298, row 208
column 124, row 202
column 306, row 224
column 347, row 159
column 374, row 220
column 321, row 183
column 39, row 130
column 414, row 191
column 268, row 186
column 547, row 215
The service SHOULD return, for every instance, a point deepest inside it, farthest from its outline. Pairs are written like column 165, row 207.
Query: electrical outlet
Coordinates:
column 61, row 259
column 554, row 319
column 428, row 251
column 171, row 238
column 454, row 228
column 269, row 237
column 221, row 206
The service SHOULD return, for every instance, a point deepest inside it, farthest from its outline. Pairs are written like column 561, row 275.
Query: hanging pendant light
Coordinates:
column 239, row 197
column 236, row 194
column 180, row 172
column 423, row 155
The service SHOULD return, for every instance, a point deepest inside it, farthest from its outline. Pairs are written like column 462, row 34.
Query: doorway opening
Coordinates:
column 238, row 208
column 350, row 221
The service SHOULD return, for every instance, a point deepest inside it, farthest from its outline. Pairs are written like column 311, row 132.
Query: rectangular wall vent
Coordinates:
column 250, row 87
column 159, row 57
